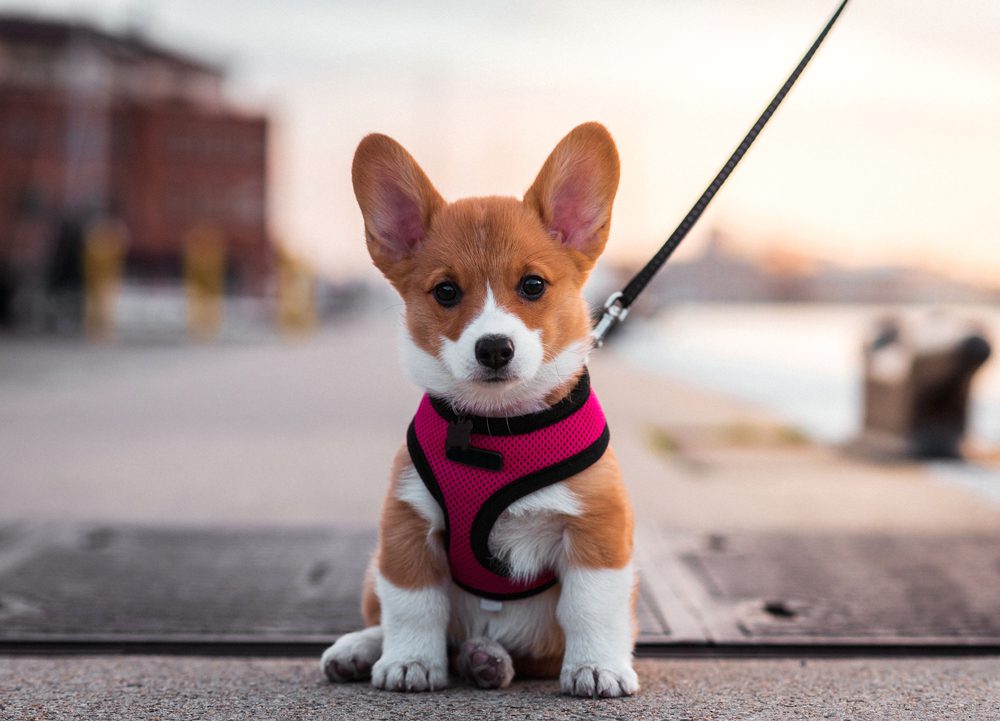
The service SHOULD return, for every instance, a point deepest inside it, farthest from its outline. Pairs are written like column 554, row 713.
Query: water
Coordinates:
column 802, row 363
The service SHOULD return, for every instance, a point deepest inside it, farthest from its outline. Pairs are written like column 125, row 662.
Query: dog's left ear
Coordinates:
column 575, row 189
column 397, row 201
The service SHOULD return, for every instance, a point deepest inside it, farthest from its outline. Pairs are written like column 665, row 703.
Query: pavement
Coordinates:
column 206, row 689
column 297, row 433
column 301, row 430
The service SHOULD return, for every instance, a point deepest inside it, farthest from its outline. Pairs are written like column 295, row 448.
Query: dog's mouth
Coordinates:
column 495, row 377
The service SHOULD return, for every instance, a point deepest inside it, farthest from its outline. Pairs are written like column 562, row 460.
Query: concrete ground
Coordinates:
column 158, row 687
column 300, row 432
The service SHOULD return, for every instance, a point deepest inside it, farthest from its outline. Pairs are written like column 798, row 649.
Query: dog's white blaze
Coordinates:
column 593, row 611
column 460, row 355
column 414, row 626
column 516, row 397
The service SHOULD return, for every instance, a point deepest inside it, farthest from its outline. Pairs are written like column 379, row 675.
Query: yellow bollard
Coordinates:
column 103, row 256
column 204, row 279
column 296, row 294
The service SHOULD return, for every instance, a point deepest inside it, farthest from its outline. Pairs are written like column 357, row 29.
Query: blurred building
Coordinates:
column 95, row 124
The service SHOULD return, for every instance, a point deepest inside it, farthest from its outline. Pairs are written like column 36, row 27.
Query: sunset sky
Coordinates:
column 886, row 151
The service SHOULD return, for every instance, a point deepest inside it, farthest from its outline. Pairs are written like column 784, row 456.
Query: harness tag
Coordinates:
column 488, row 604
column 459, row 435
column 457, row 448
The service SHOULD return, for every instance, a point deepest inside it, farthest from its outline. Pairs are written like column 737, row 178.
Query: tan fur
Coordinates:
column 380, row 161
column 408, row 556
column 526, row 667
column 557, row 232
column 371, row 608
column 589, row 155
column 600, row 537
column 471, row 242
column 504, row 228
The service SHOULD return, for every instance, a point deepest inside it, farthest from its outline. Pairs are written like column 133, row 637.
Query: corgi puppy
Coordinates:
column 505, row 542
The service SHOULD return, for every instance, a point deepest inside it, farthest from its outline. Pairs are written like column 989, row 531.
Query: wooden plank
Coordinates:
column 102, row 586
column 783, row 589
column 183, row 582
column 98, row 586
column 674, row 592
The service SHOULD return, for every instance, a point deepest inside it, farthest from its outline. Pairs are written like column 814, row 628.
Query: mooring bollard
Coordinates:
column 204, row 279
column 296, row 294
column 917, row 382
column 103, row 257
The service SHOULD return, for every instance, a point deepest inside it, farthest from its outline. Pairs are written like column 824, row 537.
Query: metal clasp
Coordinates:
column 614, row 313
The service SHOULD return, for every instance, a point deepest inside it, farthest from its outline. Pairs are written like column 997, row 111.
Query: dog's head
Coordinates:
column 495, row 318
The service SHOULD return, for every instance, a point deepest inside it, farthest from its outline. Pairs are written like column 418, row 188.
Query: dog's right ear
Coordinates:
column 397, row 200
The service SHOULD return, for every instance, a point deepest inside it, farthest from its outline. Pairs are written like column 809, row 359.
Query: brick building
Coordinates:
column 94, row 123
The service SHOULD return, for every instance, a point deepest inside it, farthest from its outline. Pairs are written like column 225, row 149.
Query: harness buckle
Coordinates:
column 614, row 313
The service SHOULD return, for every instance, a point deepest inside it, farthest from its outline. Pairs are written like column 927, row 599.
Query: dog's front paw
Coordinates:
column 596, row 681
column 409, row 675
column 352, row 656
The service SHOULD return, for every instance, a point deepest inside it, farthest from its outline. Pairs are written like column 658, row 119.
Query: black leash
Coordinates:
column 617, row 305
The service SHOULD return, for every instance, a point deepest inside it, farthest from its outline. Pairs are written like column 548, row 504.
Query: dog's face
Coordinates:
column 495, row 318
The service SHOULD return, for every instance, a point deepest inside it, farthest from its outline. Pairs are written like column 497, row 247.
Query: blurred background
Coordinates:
column 192, row 330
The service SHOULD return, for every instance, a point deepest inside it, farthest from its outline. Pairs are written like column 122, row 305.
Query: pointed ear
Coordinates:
column 397, row 200
column 575, row 189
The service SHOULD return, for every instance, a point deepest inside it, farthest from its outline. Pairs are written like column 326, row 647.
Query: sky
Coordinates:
column 883, row 153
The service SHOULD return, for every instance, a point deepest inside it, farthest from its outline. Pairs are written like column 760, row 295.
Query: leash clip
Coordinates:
column 614, row 313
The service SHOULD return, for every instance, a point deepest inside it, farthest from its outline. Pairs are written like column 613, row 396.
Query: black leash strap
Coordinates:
column 617, row 305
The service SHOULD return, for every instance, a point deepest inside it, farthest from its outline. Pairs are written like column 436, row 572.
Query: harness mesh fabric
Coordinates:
column 472, row 498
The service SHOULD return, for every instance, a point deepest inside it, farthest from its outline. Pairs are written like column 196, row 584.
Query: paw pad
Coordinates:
column 485, row 663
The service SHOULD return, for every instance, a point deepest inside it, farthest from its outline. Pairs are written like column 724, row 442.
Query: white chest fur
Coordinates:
column 529, row 537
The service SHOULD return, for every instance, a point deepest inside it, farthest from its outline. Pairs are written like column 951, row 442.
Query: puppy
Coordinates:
column 505, row 541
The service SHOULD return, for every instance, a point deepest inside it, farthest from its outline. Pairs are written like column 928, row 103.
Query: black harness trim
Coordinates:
column 496, row 504
column 427, row 475
column 519, row 425
column 514, row 491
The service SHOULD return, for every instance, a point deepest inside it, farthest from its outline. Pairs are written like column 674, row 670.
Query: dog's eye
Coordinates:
column 532, row 287
column 447, row 294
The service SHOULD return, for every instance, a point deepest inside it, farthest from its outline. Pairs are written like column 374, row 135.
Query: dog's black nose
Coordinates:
column 494, row 351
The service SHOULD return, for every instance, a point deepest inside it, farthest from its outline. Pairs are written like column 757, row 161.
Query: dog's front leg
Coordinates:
column 411, row 583
column 594, row 611
column 414, row 651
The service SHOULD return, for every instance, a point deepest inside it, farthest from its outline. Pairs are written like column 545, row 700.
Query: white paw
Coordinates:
column 410, row 675
column 351, row 658
column 595, row 681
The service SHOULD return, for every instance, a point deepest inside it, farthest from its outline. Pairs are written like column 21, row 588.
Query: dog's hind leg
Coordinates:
column 351, row 658
column 485, row 663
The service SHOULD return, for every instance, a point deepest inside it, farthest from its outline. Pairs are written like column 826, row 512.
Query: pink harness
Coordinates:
column 476, row 467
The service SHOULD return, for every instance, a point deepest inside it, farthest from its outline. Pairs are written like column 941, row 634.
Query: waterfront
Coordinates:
column 800, row 362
